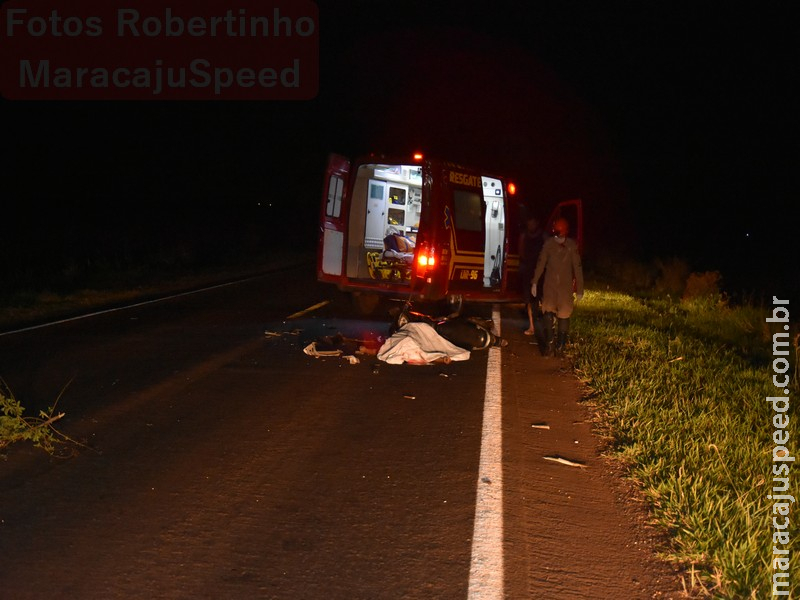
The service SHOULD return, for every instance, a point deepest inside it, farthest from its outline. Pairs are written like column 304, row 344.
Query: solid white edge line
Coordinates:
column 486, row 566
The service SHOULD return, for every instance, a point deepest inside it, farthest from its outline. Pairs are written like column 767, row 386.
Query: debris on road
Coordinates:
column 278, row 334
column 564, row 461
column 312, row 350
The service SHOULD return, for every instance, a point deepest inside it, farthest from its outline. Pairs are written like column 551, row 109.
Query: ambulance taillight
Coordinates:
column 426, row 259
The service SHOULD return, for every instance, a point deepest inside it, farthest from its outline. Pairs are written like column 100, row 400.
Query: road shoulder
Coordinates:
column 573, row 523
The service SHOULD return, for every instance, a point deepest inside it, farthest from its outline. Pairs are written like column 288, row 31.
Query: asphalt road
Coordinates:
column 223, row 462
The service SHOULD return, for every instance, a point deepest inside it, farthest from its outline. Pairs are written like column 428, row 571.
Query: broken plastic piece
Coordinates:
column 312, row 350
column 564, row 461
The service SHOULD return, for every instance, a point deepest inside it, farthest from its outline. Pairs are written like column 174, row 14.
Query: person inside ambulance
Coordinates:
column 397, row 245
column 560, row 263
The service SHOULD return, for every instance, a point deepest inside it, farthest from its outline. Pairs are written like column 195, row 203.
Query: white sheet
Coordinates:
column 418, row 344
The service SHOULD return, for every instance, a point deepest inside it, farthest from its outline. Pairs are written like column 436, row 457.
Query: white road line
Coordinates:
column 486, row 566
column 127, row 306
column 308, row 310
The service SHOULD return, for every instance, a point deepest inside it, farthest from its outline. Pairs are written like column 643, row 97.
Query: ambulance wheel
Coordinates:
column 455, row 302
column 365, row 302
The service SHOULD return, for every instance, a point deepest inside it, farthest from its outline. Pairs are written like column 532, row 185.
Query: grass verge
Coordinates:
column 679, row 389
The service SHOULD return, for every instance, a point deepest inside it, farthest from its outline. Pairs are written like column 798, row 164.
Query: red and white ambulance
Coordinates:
column 422, row 229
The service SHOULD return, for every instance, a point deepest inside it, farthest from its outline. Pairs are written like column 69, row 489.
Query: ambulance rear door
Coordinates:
column 333, row 220
column 477, row 229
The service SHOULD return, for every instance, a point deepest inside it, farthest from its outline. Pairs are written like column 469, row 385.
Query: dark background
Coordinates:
column 671, row 120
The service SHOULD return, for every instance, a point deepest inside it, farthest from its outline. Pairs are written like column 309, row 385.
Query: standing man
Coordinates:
column 561, row 264
column 530, row 245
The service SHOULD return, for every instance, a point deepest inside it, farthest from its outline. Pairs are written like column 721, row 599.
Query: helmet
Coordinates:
column 561, row 227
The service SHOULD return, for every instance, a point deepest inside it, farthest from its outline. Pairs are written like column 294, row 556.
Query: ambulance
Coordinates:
column 415, row 228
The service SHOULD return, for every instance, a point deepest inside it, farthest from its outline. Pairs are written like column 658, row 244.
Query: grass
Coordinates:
column 41, row 431
column 679, row 390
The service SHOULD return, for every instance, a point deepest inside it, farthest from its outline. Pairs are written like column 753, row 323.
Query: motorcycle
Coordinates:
column 470, row 333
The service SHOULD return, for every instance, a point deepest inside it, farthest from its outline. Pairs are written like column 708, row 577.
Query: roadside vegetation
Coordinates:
column 16, row 426
column 679, row 386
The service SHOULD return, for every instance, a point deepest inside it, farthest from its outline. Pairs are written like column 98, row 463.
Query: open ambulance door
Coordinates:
column 335, row 204
column 572, row 211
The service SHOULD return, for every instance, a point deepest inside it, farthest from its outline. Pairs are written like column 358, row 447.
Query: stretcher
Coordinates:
column 390, row 265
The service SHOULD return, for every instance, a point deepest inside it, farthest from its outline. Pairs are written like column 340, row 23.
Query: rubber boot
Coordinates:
column 561, row 340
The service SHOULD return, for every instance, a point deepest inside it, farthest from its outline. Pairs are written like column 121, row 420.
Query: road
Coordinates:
column 222, row 462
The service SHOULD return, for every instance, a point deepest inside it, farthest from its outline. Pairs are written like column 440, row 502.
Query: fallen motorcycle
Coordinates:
column 470, row 333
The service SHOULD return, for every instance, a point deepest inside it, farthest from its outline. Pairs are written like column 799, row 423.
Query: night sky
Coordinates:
column 671, row 120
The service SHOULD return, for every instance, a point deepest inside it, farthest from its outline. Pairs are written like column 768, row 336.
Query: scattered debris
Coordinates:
column 675, row 359
column 277, row 334
column 540, row 425
column 312, row 350
column 564, row 461
column 334, row 346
